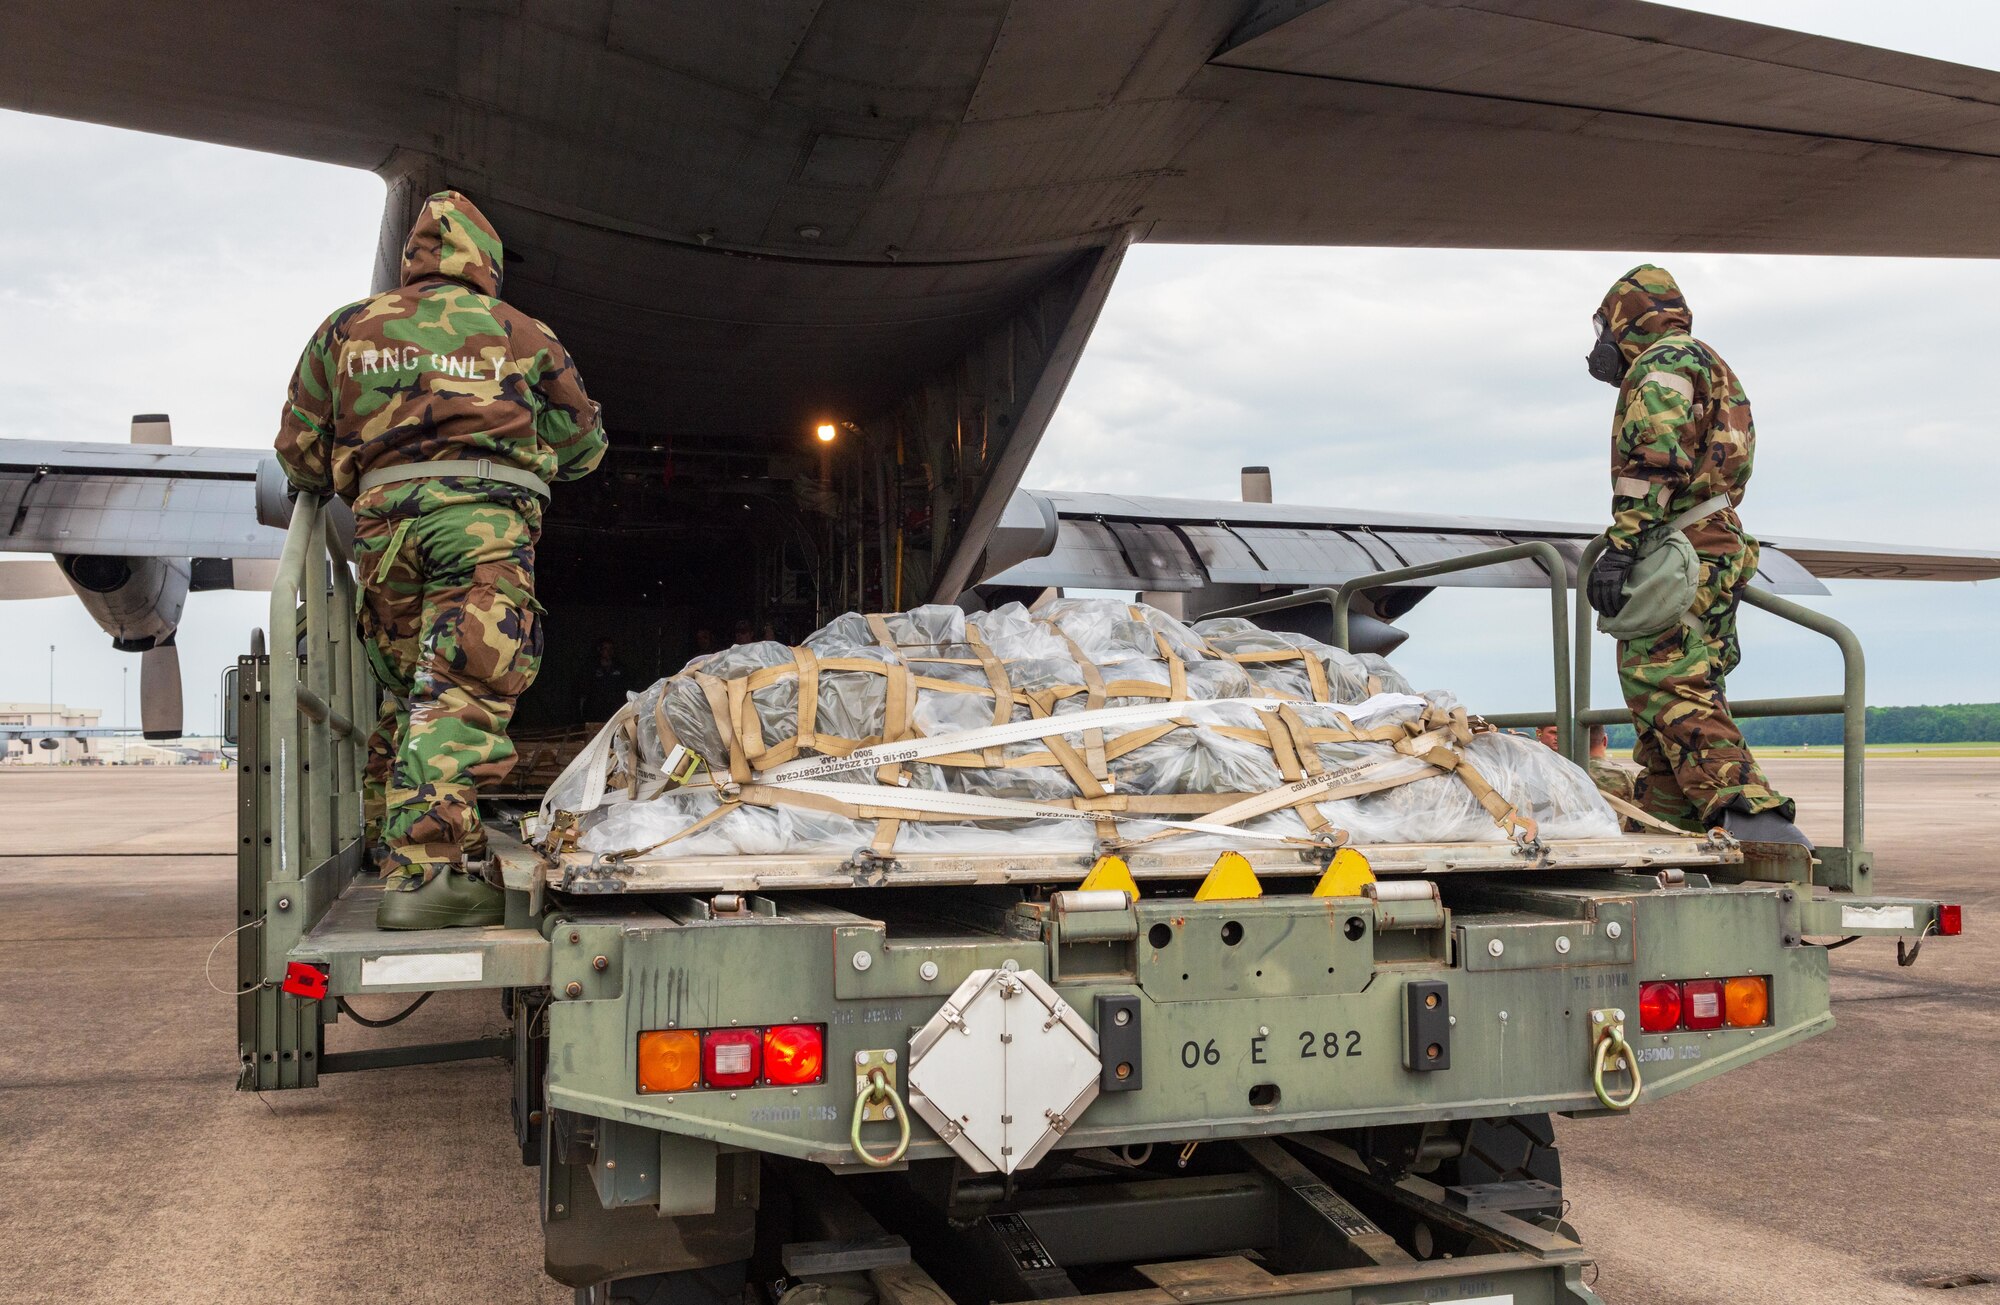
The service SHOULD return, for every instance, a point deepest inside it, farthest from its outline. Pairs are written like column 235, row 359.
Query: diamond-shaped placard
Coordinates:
column 1003, row 1069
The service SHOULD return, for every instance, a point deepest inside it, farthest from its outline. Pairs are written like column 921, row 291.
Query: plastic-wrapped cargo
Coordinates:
column 1083, row 724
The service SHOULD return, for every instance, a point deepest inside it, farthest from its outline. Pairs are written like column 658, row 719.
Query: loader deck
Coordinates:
column 583, row 873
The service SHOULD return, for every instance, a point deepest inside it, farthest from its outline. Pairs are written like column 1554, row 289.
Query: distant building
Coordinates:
column 56, row 716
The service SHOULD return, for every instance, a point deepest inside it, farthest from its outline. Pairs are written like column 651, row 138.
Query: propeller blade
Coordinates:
column 33, row 578
column 160, row 692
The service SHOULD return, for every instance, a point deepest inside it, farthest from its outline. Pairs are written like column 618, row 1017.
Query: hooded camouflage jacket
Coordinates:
column 1682, row 432
column 438, row 368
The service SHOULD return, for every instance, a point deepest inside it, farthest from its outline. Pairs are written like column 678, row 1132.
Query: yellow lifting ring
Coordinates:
column 873, row 1092
column 1611, row 1048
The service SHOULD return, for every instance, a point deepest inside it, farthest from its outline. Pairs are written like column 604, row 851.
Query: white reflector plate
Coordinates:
column 1878, row 917
column 423, row 967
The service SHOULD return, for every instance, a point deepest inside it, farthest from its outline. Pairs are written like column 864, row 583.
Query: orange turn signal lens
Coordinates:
column 669, row 1060
column 1747, row 1002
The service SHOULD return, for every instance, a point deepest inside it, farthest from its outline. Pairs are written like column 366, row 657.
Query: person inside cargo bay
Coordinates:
column 441, row 413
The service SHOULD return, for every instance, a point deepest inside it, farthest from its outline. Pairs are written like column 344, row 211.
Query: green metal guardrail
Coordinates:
column 1540, row 551
column 319, row 682
column 1848, row 866
column 304, row 708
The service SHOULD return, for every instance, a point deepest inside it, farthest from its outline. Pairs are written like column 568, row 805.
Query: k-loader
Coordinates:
column 1317, row 1074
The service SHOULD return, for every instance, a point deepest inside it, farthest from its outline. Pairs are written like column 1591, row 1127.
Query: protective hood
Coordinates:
column 452, row 238
column 1642, row 306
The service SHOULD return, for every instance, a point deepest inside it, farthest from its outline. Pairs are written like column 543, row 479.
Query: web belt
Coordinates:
column 1708, row 507
column 481, row 468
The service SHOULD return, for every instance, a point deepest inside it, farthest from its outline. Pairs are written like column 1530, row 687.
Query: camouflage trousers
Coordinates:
column 1694, row 758
column 453, row 633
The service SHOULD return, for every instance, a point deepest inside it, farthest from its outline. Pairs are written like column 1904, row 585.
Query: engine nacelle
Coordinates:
column 135, row 600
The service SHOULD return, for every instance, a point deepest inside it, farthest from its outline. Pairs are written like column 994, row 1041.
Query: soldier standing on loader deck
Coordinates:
column 441, row 413
column 1682, row 445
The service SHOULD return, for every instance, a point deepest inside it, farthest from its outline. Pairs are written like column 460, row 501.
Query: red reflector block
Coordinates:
column 303, row 980
column 1659, row 1007
column 794, row 1054
column 1950, row 920
column 1702, row 1003
column 731, row 1058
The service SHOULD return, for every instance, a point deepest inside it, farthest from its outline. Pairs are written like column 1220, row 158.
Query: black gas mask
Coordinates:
column 1604, row 360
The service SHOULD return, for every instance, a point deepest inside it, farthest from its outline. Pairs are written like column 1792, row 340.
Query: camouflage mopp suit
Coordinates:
column 440, row 369
column 1682, row 435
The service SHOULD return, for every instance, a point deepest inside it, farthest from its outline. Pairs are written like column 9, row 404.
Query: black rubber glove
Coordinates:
column 1606, row 589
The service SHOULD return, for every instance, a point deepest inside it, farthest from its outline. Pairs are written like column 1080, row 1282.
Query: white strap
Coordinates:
column 990, row 736
column 588, row 769
column 933, row 802
column 1708, row 507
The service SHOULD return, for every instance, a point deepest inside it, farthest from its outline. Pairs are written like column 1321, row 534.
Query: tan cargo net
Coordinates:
column 765, row 741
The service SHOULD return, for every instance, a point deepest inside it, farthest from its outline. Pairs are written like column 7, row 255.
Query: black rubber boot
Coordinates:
column 451, row 900
column 1762, row 827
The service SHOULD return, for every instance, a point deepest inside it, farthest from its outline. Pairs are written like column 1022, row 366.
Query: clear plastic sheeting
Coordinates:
column 1232, row 724
column 1352, row 676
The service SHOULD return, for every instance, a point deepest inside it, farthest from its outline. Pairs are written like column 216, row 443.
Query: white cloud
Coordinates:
column 1452, row 381
column 143, row 274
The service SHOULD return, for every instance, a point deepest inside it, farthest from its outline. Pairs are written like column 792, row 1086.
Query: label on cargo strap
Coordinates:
column 1878, row 917
column 423, row 967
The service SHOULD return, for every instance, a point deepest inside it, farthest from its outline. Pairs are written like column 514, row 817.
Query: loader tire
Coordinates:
column 1505, row 1150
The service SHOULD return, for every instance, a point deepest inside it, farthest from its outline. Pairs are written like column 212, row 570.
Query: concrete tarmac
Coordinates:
column 1839, row 1172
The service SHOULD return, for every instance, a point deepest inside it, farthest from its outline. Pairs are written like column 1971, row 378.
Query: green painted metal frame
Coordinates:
column 1540, row 551
column 1847, row 867
column 304, row 706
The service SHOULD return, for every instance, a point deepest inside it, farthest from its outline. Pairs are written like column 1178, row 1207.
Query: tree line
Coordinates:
column 1957, row 722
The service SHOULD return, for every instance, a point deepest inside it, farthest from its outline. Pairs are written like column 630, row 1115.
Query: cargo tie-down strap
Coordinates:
column 1426, row 745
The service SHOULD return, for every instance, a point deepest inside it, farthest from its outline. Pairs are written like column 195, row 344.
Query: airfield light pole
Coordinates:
column 52, row 686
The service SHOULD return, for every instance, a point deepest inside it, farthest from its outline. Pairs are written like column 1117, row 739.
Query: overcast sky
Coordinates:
column 139, row 273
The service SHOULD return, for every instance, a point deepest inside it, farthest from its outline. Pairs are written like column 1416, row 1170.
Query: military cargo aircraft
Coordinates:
column 829, row 265
column 896, row 221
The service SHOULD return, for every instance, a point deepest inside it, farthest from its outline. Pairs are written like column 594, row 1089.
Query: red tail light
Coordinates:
column 1950, row 920
column 1701, row 1001
column 730, row 1058
column 1659, row 1007
column 794, row 1054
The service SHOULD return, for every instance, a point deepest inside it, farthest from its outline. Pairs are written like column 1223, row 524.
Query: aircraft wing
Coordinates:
column 65, row 732
column 1226, row 549
column 908, row 213
column 132, row 500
